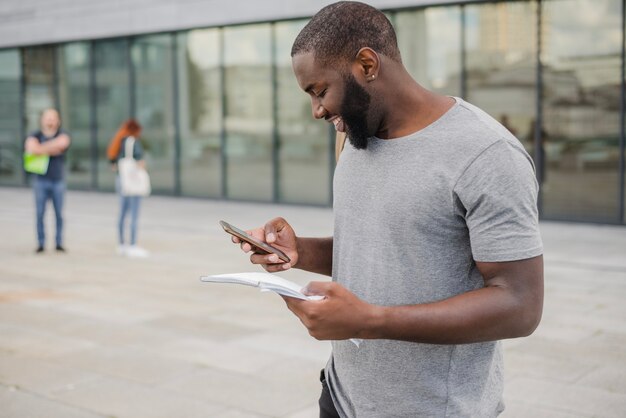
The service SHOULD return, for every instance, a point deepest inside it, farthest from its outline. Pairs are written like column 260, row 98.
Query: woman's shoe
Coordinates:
column 136, row 252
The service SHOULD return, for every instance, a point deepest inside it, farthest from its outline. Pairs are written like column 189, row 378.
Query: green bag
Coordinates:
column 36, row 164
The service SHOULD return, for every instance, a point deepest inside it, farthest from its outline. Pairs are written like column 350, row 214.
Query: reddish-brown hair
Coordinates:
column 129, row 128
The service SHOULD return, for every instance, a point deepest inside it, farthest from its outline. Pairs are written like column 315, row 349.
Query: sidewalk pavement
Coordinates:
column 93, row 334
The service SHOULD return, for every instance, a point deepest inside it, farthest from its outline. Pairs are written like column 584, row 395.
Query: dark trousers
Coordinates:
column 327, row 407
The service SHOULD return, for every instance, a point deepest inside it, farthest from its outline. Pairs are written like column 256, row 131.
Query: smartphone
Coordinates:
column 260, row 245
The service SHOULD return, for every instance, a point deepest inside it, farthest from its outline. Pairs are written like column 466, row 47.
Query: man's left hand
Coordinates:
column 339, row 316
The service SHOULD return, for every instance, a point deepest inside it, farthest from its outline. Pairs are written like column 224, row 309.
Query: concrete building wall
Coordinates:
column 33, row 22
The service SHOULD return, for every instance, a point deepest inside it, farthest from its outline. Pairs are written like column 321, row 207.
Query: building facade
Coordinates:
column 224, row 118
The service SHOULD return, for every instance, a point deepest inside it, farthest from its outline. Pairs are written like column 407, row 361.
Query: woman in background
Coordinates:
column 129, row 130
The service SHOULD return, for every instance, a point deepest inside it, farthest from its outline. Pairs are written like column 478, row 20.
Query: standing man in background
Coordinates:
column 50, row 140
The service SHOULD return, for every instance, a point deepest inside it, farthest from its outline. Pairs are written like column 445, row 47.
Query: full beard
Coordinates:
column 354, row 111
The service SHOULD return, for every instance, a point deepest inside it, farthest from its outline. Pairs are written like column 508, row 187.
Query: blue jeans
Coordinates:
column 49, row 189
column 128, row 204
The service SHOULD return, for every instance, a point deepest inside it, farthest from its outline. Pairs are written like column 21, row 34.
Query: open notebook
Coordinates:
column 266, row 282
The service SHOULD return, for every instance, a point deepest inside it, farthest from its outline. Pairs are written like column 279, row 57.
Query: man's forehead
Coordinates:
column 50, row 113
column 309, row 71
column 303, row 62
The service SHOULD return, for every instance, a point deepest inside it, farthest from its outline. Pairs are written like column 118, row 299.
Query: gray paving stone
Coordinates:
column 90, row 333
column 310, row 412
column 519, row 409
column 294, row 370
column 557, row 330
column 121, row 398
column 518, row 363
column 254, row 393
column 16, row 403
column 298, row 344
column 225, row 356
column 21, row 313
column 572, row 399
column 138, row 365
column 37, row 343
column 609, row 378
column 111, row 334
column 40, row 376
column 203, row 327
column 591, row 351
column 235, row 413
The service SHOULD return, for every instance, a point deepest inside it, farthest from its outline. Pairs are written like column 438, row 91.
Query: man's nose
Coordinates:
column 318, row 110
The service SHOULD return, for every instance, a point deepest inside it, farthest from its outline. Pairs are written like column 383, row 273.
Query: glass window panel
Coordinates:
column 502, row 65
column 430, row 44
column 152, row 62
column 39, row 83
column 10, row 118
column 581, row 105
column 200, row 110
column 248, row 118
column 73, row 70
column 304, row 149
column 112, row 100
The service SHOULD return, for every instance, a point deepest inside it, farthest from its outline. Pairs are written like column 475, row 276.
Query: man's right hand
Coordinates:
column 277, row 233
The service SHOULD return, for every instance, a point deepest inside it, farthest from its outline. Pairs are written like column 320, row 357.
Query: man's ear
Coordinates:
column 367, row 64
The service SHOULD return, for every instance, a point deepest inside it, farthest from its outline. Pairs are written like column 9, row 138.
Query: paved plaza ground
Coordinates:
column 92, row 334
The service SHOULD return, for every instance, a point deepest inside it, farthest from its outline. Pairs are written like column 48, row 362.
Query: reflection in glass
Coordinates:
column 152, row 63
column 10, row 133
column 501, row 64
column 304, row 150
column 200, row 110
column 430, row 45
column 248, row 107
column 39, row 83
column 73, row 70
column 112, row 100
column 581, row 58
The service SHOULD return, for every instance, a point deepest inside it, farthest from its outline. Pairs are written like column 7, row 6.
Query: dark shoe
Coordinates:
column 39, row 250
column 60, row 249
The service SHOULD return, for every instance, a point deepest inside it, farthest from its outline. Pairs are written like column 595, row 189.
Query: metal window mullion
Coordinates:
column 93, row 120
column 132, row 78
column 622, row 140
column 224, row 160
column 539, row 160
column 22, row 110
column 276, row 195
column 56, row 90
column 176, row 110
column 463, row 74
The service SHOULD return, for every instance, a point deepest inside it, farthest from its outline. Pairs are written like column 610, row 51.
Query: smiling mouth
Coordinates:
column 338, row 122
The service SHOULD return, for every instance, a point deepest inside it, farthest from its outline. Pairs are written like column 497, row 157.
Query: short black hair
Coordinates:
column 337, row 32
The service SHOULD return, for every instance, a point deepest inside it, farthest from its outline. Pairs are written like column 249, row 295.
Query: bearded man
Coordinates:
column 436, row 253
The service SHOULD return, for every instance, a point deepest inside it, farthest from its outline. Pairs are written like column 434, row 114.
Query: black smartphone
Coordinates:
column 260, row 245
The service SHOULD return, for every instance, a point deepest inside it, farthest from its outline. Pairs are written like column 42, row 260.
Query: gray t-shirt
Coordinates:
column 412, row 215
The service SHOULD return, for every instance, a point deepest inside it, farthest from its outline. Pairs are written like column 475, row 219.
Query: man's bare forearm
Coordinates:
column 315, row 255
column 509, row 306
column 54, row 147
column 487, row 314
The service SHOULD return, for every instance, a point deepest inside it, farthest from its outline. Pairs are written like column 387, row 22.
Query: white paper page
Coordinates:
column 267, row 282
